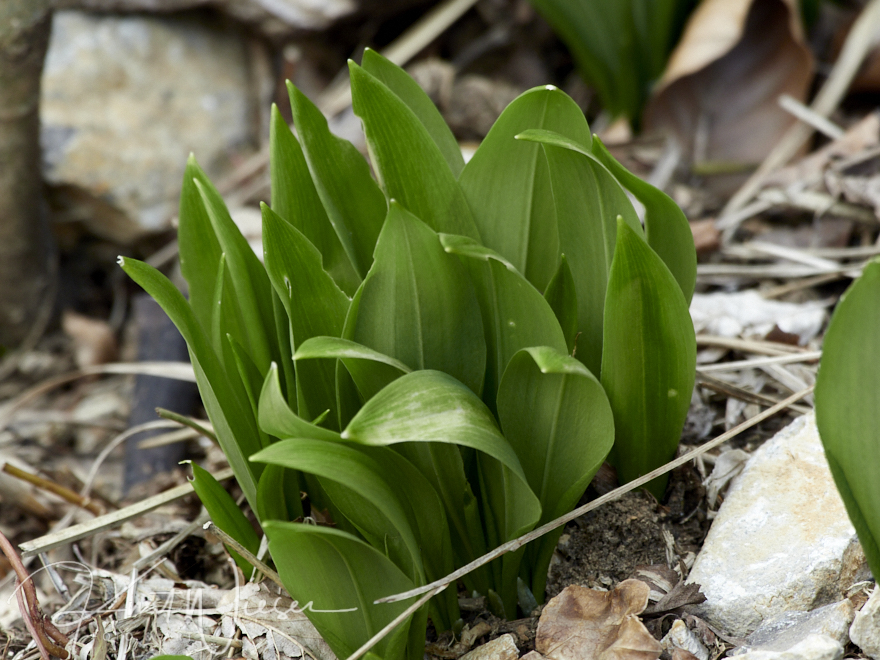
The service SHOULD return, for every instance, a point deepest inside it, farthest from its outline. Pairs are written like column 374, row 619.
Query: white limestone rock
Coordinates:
column 126, row 98
column 865, row 630
column 813, row 647
column 781, row 540
column 788, row 628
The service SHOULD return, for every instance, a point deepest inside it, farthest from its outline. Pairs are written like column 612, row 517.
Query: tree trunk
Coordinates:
column 25, row 240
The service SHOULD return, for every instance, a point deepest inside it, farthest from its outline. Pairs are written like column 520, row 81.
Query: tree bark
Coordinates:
column 25, row 240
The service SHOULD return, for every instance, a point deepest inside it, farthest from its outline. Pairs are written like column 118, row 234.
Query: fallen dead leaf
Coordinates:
column 584, row 624
column 719, row 93
column 707, row 237
column 501, row 648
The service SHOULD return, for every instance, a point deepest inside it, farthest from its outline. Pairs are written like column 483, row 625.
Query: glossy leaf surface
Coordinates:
column 588, row 201
column 408, row 91
column 340, row 576
column 353, row 202
column 417, row 304
column 295, row 198
column 556, row 416
column 848, row 406
column 507, row 183
column 315, row 305
column 515, row 314
column 648, row 359
column 410, row 166
column 666, row 227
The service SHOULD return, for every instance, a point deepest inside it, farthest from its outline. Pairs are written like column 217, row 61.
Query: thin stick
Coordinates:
column 749, row 345
column 722, row 387
column 395, row 622
column 110, row 520
column 244, row 552
column 511, row 546
column 757, row 362
column 61, row 491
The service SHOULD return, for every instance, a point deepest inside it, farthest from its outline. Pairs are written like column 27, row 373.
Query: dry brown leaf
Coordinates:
column 719, row 93
column 584, row 624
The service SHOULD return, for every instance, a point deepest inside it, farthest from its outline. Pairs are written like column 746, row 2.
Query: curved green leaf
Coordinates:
column 276, row 418
column 224, row 398
column 556, row 416
column 314, row 303
column 588, row 201
column 409, row 164
column 430, row 406
column 507, row 183
column 295, row 199
column 408, row 91
column 226, row 515
column 339, row 577
column 353, row 202
column 848, row 405
column 666, row 227
column 344, row 470
column 648, row 359
column 417, row 304
column 371, row 370
column 515, row 314
column 278, row 494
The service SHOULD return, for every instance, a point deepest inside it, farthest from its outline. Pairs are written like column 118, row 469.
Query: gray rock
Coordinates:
column 865, row 630
column 785, row 630
column 813, row 647
column 781, row 540
column 125, row 99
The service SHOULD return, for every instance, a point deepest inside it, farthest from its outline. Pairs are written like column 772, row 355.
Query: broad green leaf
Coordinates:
column 430, row 406
column 410, row 166
column 354, row 482
column 276, row 418
column 314, row 303
column 666, row 227
column 226, row 515
column 507, row 183
column 199, row 248
column 285, row 346
column 848, row 406
column 278, row 494
column 248, row 278
column 561, row 295
column 408, row 91
column 295, row 199
column 226, row 317
column 250, row 378
column 588, row 201
column 418, row 306
column 556, row 416
column 648, row 359
column 353, row 202
column 515, row 314
column 370, row 369
column 224, row 399
column 339, row 577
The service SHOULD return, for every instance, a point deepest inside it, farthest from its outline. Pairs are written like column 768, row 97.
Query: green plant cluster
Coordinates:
column 440, row 358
